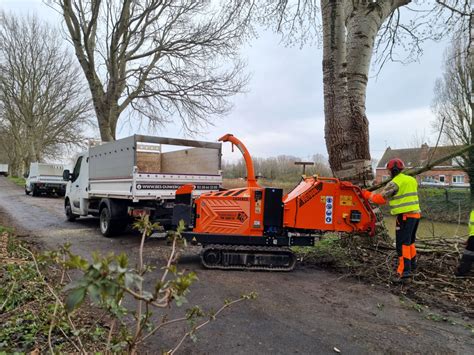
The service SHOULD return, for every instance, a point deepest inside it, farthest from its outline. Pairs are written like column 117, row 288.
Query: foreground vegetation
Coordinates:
column 62, row 302
column 29, row 318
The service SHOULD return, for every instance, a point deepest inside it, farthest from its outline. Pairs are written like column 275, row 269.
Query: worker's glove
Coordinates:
column 373, row 197
column 366, row 194
column 378, row 199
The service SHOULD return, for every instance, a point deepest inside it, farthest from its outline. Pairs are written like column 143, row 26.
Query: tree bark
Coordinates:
column 349, row 31
column 336, row 101
column 471, row 102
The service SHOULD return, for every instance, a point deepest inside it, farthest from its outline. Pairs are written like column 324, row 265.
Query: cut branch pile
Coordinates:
column 434, row 283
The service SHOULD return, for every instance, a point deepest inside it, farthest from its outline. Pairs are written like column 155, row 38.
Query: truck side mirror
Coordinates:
column 66, row 175
column 25, row 175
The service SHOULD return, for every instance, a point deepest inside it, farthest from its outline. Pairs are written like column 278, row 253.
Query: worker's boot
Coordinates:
column 465, row 265
column 401, row 280
column 467, row 259
column 414, row 266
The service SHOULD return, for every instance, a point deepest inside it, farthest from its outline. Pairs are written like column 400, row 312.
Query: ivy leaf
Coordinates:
column 77, row 262
column 75, row 298
column 180, row 300
column 132, row 280
column 147, row 295
column 94, row 293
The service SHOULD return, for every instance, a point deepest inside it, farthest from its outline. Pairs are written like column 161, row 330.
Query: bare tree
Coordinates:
column 164, row 58
column 281, row 168
column 43, row 100
column 321, row 165
column 354, row 34
column 453, row 103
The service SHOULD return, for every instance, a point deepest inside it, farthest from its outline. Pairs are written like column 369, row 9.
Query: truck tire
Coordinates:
column 70, row 217
column 26, row 191
column 111, row 221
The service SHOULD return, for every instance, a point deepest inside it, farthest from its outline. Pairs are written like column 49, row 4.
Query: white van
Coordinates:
column 3, row 169
column 45, row 179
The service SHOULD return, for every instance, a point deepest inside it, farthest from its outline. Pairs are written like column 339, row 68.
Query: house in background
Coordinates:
column 448, row 173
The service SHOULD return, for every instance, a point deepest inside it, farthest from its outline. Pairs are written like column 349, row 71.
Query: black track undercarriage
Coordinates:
column 248, row 253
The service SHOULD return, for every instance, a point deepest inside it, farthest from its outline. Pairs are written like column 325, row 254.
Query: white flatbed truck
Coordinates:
column 122, row 179
column 44, row 178
column 3, row 169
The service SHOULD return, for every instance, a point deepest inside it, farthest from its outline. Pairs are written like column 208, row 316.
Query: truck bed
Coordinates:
column 139, row 168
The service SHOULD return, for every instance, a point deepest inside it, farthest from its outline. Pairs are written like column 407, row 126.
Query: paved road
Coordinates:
column 305, row 311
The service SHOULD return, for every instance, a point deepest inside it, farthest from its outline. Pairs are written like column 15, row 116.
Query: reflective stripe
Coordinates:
column 396, row 197
column 407, row 204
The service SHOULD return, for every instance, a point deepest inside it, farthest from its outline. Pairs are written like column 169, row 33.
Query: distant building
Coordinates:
column 448, row 173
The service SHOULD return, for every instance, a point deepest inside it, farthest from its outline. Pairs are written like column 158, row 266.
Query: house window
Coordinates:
column 385, row 177
column 458, row 179
column 442, row 178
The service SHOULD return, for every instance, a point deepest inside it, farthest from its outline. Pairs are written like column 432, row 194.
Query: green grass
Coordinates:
column 327, row 251
column 431, row 229
column 17, row 180
column 3, row 229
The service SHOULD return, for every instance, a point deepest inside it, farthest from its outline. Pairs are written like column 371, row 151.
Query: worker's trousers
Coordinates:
column 467, row 258
column 405, row 243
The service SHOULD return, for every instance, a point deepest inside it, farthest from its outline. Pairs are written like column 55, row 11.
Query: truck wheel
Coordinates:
column 26, row 191
column 70, row 217
column 113, row 217
column 108, row 226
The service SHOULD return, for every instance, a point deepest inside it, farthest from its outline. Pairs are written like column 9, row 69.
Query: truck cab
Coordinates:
column 77, row 186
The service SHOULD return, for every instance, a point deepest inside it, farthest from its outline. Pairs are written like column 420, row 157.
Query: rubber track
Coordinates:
column 246, row 249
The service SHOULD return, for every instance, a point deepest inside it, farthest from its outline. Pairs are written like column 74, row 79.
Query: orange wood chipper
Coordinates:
column 254, row 227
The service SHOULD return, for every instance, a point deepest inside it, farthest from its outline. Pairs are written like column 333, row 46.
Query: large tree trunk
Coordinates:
column 336, row 100
column 471, row 102
column 349, row 31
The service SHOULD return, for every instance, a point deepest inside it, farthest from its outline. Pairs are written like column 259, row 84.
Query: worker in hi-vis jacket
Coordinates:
column 467, row 259
column 402, row 194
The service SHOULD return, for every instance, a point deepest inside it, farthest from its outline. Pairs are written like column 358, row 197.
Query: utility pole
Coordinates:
column 304, row 163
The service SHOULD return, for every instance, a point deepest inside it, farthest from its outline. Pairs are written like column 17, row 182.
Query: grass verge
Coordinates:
column 17, row 180
column 29, row 318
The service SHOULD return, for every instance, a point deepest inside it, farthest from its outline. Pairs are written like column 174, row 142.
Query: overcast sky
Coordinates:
column 282, row 112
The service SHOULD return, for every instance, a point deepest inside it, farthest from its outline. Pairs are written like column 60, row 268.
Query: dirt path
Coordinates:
column 305, row 311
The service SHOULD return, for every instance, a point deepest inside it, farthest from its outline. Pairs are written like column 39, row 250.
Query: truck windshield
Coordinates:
column 77, row 169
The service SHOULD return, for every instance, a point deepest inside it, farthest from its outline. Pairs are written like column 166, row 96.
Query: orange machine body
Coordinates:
column 328, row 204
column 235, row 211
column 252, row 228
column 314, row 206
